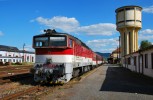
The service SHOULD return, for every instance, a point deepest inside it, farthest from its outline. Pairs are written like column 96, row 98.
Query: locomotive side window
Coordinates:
column 41, row 42
column 70, row 43
column 58, row 41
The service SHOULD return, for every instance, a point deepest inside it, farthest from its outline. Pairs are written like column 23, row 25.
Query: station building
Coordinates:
column 140, row 61
column 14, row 55
column 115, row 56
column 128, row 21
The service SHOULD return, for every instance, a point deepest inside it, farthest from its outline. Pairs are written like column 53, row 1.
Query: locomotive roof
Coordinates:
column 50, row 32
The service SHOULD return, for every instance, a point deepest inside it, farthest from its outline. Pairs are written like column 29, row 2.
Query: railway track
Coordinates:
column 9, row 73
column 20, row 93
column 36, row 91
column 30, row 93
column 13, row 78
column 2, row 81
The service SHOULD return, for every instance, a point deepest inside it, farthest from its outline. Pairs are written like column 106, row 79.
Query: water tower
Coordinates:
column 128, row 21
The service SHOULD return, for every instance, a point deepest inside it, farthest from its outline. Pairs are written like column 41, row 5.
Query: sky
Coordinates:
column 92, row 21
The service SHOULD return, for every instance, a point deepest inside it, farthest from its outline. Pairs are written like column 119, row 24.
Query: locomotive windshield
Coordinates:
column 55, row 41
column 41, row 42
column 58, row 41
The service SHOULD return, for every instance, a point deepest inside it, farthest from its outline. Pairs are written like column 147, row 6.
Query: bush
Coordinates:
column 18, row 63
column 7, row 63
column 1, row 64
column 27, row 63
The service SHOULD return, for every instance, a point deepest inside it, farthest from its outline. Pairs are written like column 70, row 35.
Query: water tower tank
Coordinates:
column 128, row 16
column 128, row 22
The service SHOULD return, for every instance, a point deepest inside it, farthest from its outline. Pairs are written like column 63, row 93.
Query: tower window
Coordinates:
column 129, row 20
column 130, row 42
column 129, row 8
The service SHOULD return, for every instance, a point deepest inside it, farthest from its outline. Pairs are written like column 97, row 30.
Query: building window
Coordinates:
column 0, row 60
column 146, row 60
column 13, row 60
column 32, row 59
column 124, row 53
column 5, row 60
column 135, row 61
column 9, row 60
column 0, row 54
column 129, row 61
column 28, row 58
column 152, row 60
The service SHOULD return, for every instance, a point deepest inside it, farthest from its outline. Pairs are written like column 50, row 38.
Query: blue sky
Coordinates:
column 92, row 21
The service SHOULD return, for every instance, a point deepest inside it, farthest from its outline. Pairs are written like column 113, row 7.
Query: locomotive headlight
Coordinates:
column 36, row 72
column 51, row 71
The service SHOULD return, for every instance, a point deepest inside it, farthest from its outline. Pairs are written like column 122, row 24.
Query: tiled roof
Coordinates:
column 8, row 48
column 118, row 50
column 13, row 49
column 21, row 51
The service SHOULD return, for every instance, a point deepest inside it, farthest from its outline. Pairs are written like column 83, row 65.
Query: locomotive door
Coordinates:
column 72, row 45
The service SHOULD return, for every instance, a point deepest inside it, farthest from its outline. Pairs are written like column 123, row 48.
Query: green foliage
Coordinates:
column 144, row 44
column 27, row 63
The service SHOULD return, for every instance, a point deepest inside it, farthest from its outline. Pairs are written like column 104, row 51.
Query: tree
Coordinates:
column 145, row 44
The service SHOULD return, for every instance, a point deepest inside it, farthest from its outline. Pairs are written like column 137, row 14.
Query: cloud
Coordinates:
column 72, row 25
column 1, row 33
column 147, row 31
column 103, row 45
column 145, row 37
column 63, row 23
column 146, row 34
column 148, row 9
column 109, row 50
column 98, row 29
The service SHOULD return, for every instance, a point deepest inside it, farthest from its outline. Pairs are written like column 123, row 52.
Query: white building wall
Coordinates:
column 148, row 71
column 140, row 63
column 14, row 57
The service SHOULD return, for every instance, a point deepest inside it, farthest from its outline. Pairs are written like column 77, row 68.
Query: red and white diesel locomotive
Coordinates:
column 60, row 57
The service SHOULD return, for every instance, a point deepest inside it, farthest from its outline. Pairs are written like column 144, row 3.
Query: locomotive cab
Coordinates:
column 61, row 56
column 53, row 51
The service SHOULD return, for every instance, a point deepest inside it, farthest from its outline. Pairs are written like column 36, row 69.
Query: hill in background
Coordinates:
column 104, row 55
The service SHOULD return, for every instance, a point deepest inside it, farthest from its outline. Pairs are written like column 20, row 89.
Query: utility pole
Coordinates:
column 119, row 49
column 23, row 51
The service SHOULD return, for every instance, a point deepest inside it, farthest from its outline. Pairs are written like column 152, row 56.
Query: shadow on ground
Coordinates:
column 27, row 79
column 119, row 79
column 24, row 79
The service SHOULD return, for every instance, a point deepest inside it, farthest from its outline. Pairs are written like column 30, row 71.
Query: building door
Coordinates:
column 142, row 64
column 139, row 63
